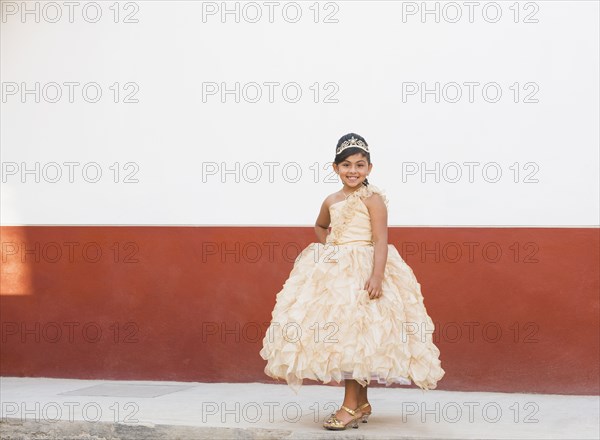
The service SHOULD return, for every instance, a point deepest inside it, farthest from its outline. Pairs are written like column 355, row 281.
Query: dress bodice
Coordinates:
column 350, row 219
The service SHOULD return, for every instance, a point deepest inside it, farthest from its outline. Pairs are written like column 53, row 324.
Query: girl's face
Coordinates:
column 353, row 170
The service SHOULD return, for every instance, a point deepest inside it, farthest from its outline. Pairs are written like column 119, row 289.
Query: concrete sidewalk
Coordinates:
column 44, row 408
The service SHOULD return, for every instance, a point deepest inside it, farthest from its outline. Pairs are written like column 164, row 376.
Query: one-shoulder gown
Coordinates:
column 325, row 327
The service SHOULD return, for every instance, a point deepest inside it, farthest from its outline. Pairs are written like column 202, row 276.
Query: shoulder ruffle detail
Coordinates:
column 370, row 190
column 349, row 208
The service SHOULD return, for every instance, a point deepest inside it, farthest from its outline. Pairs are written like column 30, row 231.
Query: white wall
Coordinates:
column 371, row 54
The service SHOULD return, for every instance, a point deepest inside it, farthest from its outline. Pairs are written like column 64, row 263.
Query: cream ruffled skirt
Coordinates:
column 324, row 327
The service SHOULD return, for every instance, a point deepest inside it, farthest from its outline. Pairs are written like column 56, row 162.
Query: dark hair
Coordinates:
column 339, row 158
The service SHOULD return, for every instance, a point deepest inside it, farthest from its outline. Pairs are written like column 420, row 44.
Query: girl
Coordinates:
column 351, row 308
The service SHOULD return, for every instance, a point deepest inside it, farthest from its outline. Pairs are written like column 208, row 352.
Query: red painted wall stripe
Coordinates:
column 516, row 309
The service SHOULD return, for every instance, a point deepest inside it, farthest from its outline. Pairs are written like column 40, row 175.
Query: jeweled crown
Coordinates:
column 352, row 142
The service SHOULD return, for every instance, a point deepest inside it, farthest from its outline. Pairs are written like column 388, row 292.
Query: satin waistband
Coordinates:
column 352, row 243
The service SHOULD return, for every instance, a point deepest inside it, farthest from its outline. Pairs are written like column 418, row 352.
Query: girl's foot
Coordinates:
column 362, row 413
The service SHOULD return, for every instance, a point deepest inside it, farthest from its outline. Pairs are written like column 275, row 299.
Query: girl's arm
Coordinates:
column 322, row 223
column 379, row 219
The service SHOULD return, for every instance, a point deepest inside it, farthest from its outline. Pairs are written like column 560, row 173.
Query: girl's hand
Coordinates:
column 373, row 286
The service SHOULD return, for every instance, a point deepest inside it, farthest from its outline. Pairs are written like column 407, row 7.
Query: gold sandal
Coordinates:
column 335, row 424
column 365, row 417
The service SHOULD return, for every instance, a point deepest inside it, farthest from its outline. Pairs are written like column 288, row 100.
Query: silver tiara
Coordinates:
column 352, row 142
